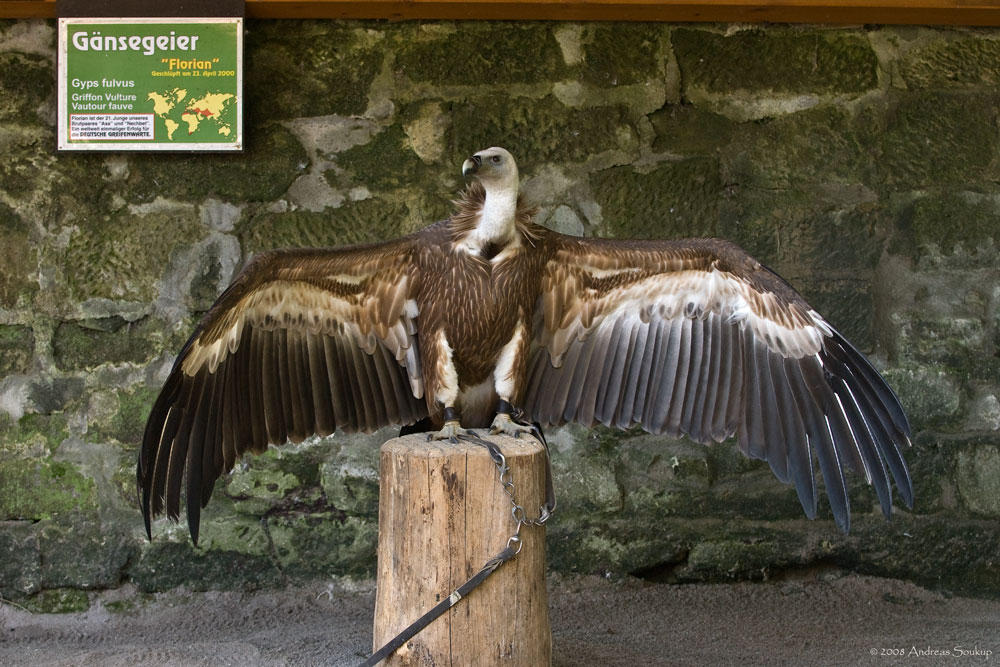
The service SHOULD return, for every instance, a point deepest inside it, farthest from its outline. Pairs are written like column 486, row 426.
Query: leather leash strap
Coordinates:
column 440, row 608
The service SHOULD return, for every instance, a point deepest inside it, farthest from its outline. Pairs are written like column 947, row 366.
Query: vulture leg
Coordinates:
column 445, row 389
column 512, row 363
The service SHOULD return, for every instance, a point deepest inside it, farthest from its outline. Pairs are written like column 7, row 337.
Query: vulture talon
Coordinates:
column 450, row 432
column 503, row 423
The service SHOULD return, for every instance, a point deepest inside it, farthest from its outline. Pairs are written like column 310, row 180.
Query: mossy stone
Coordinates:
column 54, row 394
column 819, row 146
column 26, row 84
column 978, row 477
column 243, row 533
column 584, row 470
column 940, row 139
column 215, row 258
column 929, row 394
column 779, row 59
column 947, row 221
column 755, row 495
column 18, row 260
column 650, row 477
column 33, row 431
column 20, row 558
column 735, row 559
column 952, row 61
column 933, row 552
column 304, row 462
column 363, row 221
column 20, row 173
column 839, row 242
column 260, row 484
column 281, row 480
column 804, row 238
column 24, row 171
column 351, row 488
column 82, row 552
column 162, row 566
column 38, row 488
column 57, row 601
column 17, row 349
column 272, row 159
column 128, row 606
column 873, row 193
column 324, row 544
column 575, row 545
column 121, row 256
column 80, row 185
column 87, row 344
column 674, row 200
column 307, row 68
column 536, row 131
column 621, row 54
column 931, row 460
column 128, row 421
column 686, row 129
column 755, row 219
column 953, row 342
column 847, row 304
column 661, row 476
column 587, row 484
column 475, row 53
column 385, row 163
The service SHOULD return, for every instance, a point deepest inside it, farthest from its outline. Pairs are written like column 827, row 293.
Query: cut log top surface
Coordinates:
column 417, row 443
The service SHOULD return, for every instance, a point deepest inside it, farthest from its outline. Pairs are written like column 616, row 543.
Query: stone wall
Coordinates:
column 860, row 163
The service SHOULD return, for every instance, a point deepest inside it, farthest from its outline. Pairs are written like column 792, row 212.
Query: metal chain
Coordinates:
column 516, row 511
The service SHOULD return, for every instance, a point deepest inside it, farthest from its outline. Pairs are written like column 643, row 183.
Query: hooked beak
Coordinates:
column 471, row 165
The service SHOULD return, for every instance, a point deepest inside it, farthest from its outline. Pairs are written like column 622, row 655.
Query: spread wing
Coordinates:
column 696, row 337
column 302, row 342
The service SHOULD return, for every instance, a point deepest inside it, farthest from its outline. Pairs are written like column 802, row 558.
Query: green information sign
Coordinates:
column 151, row 84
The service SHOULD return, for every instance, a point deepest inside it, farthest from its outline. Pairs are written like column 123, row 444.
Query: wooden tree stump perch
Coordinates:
column 442, row 515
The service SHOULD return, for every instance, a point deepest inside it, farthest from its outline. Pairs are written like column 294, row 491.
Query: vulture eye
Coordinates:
column 496, row 159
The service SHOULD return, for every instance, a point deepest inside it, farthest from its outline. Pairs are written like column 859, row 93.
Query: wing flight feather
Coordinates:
column 696, row 337
column 303, row 342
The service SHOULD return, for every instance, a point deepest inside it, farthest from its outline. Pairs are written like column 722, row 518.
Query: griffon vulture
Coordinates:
column 487, row 310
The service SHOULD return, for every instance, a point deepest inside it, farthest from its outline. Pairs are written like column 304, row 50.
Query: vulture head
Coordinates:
column 494, row 168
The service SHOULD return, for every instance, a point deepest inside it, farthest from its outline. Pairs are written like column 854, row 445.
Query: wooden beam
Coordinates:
column 919, row 12
column 28, row 9
column 910, row 12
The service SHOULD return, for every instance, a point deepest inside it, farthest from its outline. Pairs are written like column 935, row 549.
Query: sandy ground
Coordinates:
column 845, row 620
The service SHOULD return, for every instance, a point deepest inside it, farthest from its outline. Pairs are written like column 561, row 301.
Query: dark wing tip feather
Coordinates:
column 148, row 452
column 880, row 409
column 182, row 452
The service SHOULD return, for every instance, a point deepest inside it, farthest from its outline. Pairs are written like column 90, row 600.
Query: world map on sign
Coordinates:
column 209, row 112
